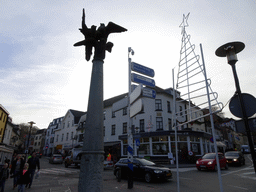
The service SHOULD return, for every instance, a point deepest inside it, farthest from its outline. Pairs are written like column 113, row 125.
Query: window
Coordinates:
column 124, row 128
column 113, row 114
column 158, row 103
column 81, row 137
column 142, row 125
column 113, row 130
column 68, row 124
column 62, row 137
column 104, row 131
column 72, row 122
column 57, row 138
column 169, row 107
column 36, row 138
column 63, row 125
column 35, row 143
column 170, row 124
column 159, row 123
column 67, row 137
column 181, row 113
column 125, row 111
column 71, row 135
column 38, row 143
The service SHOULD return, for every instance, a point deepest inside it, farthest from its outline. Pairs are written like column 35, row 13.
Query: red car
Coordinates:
column 208, row 161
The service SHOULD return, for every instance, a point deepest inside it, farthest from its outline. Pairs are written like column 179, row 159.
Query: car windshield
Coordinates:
column 209, row 156
column 146, row 162
column 232, row 154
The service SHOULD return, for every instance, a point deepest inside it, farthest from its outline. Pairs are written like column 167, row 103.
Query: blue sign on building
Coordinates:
column 142, row 69
column 143, row 80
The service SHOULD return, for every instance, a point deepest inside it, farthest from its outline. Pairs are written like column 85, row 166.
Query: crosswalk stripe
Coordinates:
column 55, row 171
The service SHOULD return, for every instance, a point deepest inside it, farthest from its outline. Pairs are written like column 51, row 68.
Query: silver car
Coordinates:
column 56, row 158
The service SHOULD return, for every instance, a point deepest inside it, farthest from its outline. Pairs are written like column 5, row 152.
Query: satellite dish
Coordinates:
column 249, row 104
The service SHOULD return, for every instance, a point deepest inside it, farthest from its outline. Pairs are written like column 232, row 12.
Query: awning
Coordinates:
column 107, row 144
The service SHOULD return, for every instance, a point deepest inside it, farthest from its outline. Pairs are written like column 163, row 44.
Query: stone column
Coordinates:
column 90, row 178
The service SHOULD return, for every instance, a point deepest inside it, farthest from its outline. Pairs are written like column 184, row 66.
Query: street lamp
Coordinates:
column 230, row 50
column 31, row 124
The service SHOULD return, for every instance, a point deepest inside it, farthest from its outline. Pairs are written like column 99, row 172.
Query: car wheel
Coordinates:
column 226, row 166
column 215, row 168
column 118, row 174
column 148, row 177
column 66, row 165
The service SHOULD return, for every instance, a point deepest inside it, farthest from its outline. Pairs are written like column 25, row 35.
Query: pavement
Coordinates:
column 69, row 182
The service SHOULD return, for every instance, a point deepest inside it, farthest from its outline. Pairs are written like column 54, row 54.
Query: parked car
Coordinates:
column 142, row 168
column 235, row 157
column 74, row 157
column 56, row 158
column 108, row 164
column 39, row 155
column 208, row 161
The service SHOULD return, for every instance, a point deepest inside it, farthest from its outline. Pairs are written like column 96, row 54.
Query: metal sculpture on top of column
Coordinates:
column 90, row 178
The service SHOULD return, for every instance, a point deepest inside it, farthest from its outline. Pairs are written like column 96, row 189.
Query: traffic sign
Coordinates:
column 146, row 92
column 137, row 142
column 136, row 107
column 120, row 104
column 136, row 93
column 143, row 80
column 142, row 69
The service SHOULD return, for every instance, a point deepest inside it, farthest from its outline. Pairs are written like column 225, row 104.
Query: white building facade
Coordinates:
column 153, row 129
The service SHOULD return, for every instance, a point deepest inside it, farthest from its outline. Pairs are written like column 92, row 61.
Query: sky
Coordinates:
column 42, row 75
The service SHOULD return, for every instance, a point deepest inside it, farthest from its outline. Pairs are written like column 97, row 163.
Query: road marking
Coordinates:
column 231, row 172
column 186, row 178
column 184, row 169
column 56, row 171
column 238, row 187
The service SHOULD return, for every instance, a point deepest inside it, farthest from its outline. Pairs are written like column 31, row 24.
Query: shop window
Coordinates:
column 182, row 138
column 160, row 148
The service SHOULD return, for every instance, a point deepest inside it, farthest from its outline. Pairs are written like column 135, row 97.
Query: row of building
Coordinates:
column 153, row 128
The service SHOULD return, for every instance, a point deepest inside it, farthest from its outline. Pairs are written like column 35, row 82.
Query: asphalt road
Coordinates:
column 57, row 178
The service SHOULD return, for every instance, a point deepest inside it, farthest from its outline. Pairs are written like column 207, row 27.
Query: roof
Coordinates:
column 77, row 115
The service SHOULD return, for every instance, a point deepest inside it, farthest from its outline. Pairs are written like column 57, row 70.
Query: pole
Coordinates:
column 176, row 137
column 130, row 136
column 244, row 116
column 90, row 178
column 212, row 122
column 29, row 133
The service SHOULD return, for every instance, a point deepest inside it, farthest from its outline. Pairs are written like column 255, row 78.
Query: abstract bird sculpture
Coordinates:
column 97, row 38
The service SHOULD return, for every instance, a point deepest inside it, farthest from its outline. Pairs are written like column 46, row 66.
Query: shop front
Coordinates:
column 156, row 145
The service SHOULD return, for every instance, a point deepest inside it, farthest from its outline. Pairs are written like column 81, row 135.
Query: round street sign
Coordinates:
column 211, row 139
column 190, row 153
column 249, row 104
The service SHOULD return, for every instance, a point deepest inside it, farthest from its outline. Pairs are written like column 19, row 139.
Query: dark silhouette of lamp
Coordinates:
column 230, row 51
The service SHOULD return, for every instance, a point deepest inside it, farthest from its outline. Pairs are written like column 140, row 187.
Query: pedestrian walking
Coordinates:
column 24, row 178
column 17, row 168
column 33, row 163
column 4, row 175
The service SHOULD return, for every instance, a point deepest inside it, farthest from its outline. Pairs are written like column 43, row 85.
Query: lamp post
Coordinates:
column 230, row 51
column 31, row 125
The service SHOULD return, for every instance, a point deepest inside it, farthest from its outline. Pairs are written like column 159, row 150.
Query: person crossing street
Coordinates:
column 33, row 163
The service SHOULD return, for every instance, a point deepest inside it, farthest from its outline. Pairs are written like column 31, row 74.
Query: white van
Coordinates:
column 245, row 149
